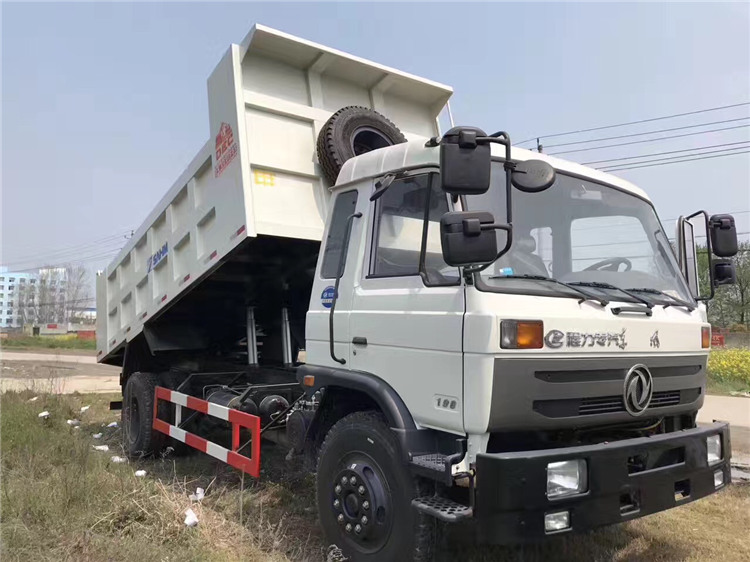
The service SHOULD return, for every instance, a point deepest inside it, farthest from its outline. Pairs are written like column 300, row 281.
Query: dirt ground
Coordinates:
column 58, row 377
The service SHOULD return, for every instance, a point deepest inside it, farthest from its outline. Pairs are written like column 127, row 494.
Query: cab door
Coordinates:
column 407, row 309
column 346, row 203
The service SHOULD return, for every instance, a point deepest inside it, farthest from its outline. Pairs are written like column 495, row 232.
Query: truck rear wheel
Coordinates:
column 352, row 131
column 364, row 494
column 139, row 437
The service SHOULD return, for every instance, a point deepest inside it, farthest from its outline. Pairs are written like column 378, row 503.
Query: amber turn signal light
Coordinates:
column 521, row 334
column 308, row 380
column 706, row 337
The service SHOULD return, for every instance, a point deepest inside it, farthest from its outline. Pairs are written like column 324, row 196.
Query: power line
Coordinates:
column 726, row 151
column 636, row 242
column 650, row 140
column 634, row 122
column 672, row 162
column 123, row 233
column 64, row 252
column 649, row 132
column 666, row 152
column 86, row 259
column 611, row 226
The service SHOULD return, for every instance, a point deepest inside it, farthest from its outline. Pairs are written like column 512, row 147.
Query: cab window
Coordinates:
column 406, row 239
column 344, row 206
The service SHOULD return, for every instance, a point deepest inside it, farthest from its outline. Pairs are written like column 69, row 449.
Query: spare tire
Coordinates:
column 352, row 131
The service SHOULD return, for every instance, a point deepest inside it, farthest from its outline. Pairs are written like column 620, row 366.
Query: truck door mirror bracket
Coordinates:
column 339, row 274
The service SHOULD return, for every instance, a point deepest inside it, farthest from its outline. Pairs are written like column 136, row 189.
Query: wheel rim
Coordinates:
column 360, row 502
column 366, row 139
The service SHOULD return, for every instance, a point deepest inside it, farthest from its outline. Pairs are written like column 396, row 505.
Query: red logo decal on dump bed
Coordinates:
column 226, row 149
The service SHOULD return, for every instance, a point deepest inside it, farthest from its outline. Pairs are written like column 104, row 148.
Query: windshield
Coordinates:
column 579, row 232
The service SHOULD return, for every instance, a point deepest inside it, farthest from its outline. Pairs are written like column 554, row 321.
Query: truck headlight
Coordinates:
column 566, row 478
column 713, row 449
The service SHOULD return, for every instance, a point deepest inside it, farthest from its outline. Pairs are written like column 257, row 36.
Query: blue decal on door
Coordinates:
column 327, row 296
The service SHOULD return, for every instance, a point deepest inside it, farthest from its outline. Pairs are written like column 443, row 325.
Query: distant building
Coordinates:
column 33, row 297
column 12, row 288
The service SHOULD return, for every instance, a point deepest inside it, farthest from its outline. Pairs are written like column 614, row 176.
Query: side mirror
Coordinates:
column 723, row 235
column 468, row 238
column 724, row 273
column 532, row 176
column 464, row 163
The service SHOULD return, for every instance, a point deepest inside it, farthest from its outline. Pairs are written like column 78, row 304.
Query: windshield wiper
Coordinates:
column 597, row 285
column 674, row 301
column 587, row 296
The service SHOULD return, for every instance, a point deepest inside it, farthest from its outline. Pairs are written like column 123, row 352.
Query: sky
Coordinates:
column 103, row 105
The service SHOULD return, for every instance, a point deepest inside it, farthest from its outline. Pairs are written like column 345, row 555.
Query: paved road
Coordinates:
column 734, row 409
column 56, row 357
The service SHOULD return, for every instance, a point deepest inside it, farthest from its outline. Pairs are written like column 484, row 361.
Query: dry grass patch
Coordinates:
column 61, row 500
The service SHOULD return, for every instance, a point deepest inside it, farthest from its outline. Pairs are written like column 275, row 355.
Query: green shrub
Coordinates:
column 67, row 341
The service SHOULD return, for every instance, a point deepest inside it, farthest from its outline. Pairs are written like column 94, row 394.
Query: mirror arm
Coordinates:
column 710, row 255
column 507, row 228
column 339, row 274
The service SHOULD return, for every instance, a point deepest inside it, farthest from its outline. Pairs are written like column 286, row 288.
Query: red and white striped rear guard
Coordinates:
column 238, row 419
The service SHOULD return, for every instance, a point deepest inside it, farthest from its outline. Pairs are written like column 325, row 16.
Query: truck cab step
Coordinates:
column 434, row 466
column 443, row 509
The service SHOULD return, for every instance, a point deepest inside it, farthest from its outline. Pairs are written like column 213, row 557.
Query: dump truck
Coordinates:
column 447, row 329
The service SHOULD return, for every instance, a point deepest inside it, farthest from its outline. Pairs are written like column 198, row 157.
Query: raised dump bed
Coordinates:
column 257, row 177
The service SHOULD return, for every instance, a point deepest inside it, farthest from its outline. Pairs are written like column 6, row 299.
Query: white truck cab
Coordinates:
column 403, row 313
column 445, row 327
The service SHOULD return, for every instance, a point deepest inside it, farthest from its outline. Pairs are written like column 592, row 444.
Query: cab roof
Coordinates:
column 415, row 153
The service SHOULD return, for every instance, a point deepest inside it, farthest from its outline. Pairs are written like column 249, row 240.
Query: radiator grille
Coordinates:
column 613, row 404
column 610, row 404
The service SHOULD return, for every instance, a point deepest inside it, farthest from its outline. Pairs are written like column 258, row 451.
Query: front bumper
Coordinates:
column 626, row 480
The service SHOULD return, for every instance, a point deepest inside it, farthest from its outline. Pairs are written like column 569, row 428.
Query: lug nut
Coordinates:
column 365, row 505
column 348, row 527
column 364, row 520
column 340, row 518
column 336, row 503
column 343, row 480
column 353, row 480
column 337, row 489
column 361, row 490
column 358, row 529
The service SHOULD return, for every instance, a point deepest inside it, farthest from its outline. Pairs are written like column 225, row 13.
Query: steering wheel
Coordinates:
column 611, row 264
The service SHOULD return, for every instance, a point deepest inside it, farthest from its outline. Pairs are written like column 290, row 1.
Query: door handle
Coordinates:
column 358, row 340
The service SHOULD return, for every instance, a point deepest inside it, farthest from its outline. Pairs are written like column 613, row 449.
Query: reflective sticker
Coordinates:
column 326, row 298
column 261, row 177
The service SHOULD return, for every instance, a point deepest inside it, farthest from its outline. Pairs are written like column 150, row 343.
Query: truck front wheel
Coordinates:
column 364, row 494
column 139, row 437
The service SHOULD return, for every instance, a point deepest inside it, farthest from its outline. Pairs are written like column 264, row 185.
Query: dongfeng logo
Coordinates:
column 638, row 390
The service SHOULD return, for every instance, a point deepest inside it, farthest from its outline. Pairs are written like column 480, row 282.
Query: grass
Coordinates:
column 728, row 371
column 61, row 500
column 47, row 342
column 725, row 387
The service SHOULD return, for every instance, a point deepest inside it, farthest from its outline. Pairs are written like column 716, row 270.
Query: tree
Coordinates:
column 76, row 291
column 731, row 303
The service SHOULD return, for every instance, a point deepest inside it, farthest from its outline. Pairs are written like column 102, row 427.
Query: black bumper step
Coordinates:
column 443, row 509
